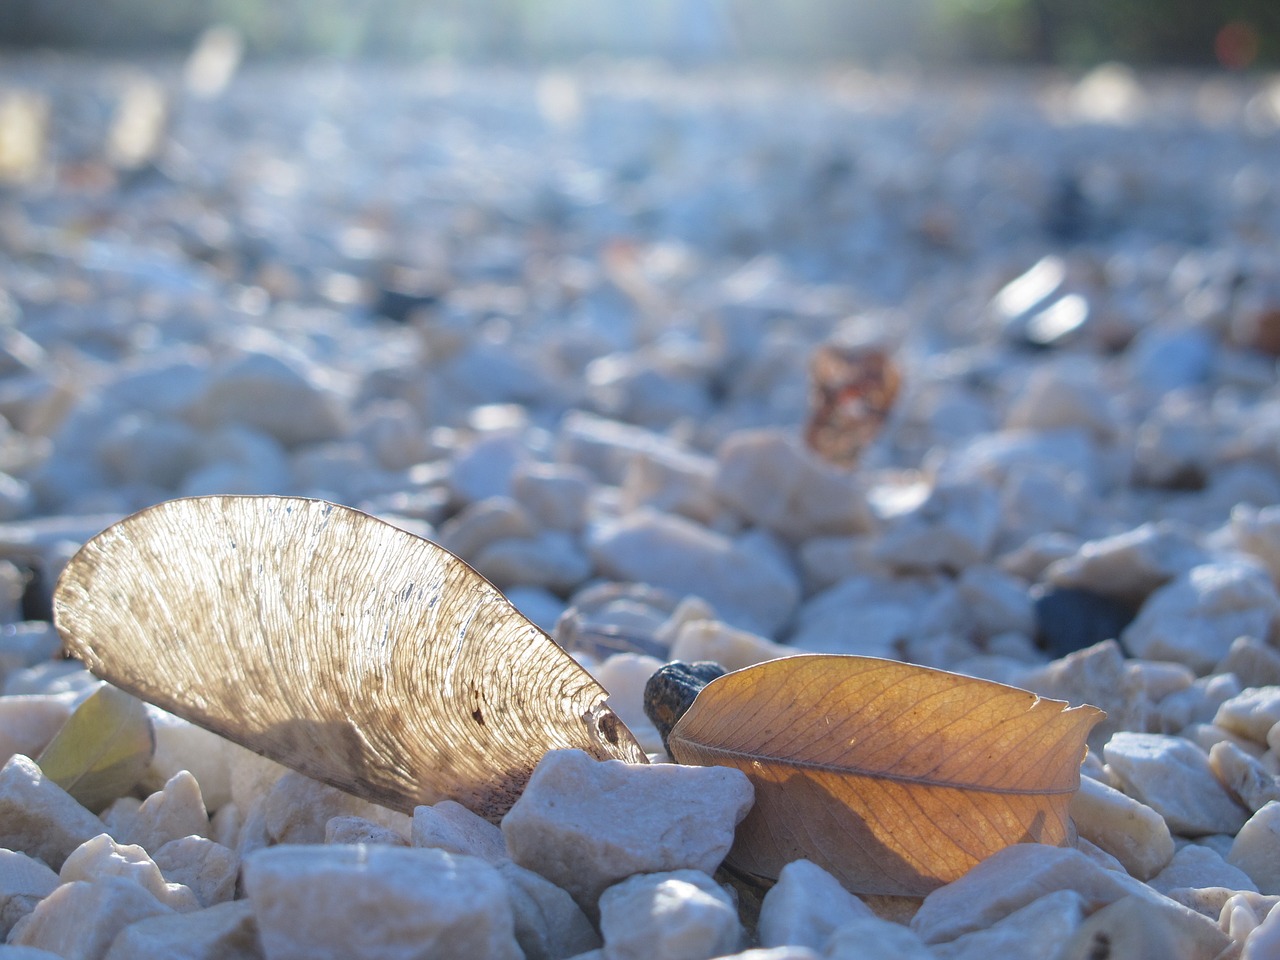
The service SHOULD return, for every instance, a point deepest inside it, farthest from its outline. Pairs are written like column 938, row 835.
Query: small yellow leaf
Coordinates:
column 895, row 778
column 334, row 643
column 102, row 750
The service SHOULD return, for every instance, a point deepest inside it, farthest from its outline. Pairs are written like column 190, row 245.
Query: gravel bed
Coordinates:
column 563, row 323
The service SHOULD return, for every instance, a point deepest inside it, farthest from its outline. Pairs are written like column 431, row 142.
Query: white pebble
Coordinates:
column 24, row 882
column 352, row 829
column 208, row 868
column 805, row 907
column 103, row 857
column 769, row 478
column 175, row 811
column 79, row 920
column 733, row 649
column 586, row 824
column 1195, row 618
column 551, row 559
column 1017, row 876
column 38, row 817
column 27, row 724
column 181, row 745
column 749, row 589
column 948, row 527
column 377, row 903
column 675, row 915
column 672, row 481
column 871, row 938
column 1034, row 932
column 556, row 496
column 1244, row 776
column 1132, row 564
column 451, row 827
column 283, row 397
column 1130, row 831
column 1256, row 849
column 1199, row 866
column 549, row 925
column 1173, row 777
column 1251, row 713
column 298, row 810
column 226, row 931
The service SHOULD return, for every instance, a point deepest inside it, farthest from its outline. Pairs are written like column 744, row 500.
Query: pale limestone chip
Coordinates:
column 675, row 915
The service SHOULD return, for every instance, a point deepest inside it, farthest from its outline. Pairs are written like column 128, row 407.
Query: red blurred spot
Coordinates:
column 1236, row 45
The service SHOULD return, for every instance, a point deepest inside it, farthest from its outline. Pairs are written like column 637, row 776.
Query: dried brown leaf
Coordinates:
column 851, row 393
column 894, row 777
column 332, row 642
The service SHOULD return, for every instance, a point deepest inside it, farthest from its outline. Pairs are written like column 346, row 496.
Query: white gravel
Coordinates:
column 606, row 285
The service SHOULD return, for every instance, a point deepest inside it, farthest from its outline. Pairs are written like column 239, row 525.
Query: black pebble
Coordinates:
column 671, row 691
column 1070, row 619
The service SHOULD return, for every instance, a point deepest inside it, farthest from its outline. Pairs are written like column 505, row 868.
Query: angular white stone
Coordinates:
column 1199, row 866
column 1245, row 778
column 1256, row 849
column 1197, row 703
column 950, row 527
column 733, row 649
column 226, row 931
column 27, row 724
column 805, row 906
column 749, row 589
column 1132, row 832
column 175, row 811
column 298, row 810
column 768, row 477
column 103, row 857
column 873, row 616
column 377, row 903
column 24, row 882
column 1097, row 675
column 1130, row 565
column 1195, row 618
column 675, row 915
column 1257, row 531
column 486, row 467
column 551, row 559
column 181, row 745
column 208, row 868
column 1264, row 941
column 996, row 602
column 549, row 925
column 672, row 481
column 774, row 953
column 1020, row 875
column 451, row 827
column 479, row 524
column 556, row 496
column 351, row 829
column 585, row 824
column 1252, row 661
column 79, row 920
column 282, row 397
column 1138, row 928
column 872, row 938
column 1173, row 777
column 1242, row 912
column 38, row 817
column 1251, row 713
column 1034, row 932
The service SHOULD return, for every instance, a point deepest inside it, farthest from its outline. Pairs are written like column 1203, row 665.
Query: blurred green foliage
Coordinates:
column 1069, row 32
